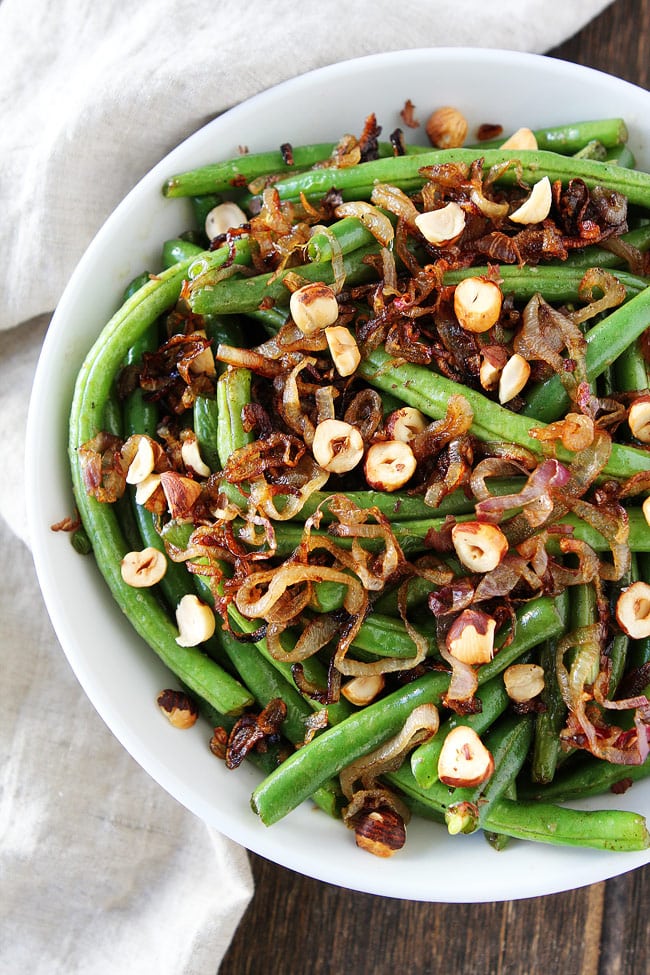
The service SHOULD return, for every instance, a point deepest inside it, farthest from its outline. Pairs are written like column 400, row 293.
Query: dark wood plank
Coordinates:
column 297, row 924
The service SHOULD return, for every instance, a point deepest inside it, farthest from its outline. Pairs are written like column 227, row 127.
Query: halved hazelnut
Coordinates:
column 313, row 307
column 143, row 569
column 464, row 760
column 523, row 138
column 479, row 545
column 363, row 690
column 638, row 419
column 143, row 463
column 447, row 127
column 343, row 349
column 442, row 226
column 514, row 376
column 389, row 464
column 191, row 454
column 181, row 493
column 195, row 621
column 633, row 610
column 405, row 423
column 381, row 832
column 222, row 218
column 523, row 682
column 477, row 303
column 337, row 446
column 470, row 637
column 145, row 488
column 203, row 364
column 489, row 374
column 178, row 707
column 538, row 205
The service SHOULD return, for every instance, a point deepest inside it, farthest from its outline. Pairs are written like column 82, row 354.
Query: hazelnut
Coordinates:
column 645, row 507
column 633, row 610
column 442, row 226
column 381, row 832
column 405, row 423
column 143, row 463
column 447, row 128
column 181, row 493
column 470, row 638
column 477, row 303
column 489, row 373
column 464, row 760
column 178, row 707
column 389, row 464
column 479, row 545
column 362, row 690
column 195, row 621
column 143, row 569
column 538, row 205
column 146, row 488
column 638, row 419
column 523, row 682
column 223, row 218
column 191, row 454
column 337, row 446
column 521, row 139
column 313, row 307
column 514, row 376
column 343, row 349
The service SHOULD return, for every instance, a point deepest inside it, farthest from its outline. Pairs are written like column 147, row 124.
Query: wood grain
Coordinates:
column 295, row 924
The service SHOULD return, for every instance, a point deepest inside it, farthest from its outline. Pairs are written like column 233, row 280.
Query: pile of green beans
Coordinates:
column 231, row 676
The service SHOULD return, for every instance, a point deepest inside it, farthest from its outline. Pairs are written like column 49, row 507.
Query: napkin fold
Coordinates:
column 101, row 870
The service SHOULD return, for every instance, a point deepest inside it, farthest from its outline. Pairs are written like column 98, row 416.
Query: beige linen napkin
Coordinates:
column 102, row 871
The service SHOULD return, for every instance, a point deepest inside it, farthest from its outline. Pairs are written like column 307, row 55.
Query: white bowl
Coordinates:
column 119, row 673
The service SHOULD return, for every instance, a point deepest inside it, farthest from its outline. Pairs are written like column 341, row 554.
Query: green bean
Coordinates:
column 548, row 723
column 177, row 249
column 631, row 369
column 349, row 233
column 605, row 343
column 141, row 607
column 621, row 156
column 570, row 139
column 222, row 177
column 587, row 777
column 558, row 284
column 532, row 166
column 233, row 393
column 424, row 758
column 430, row 393
column 245, row 295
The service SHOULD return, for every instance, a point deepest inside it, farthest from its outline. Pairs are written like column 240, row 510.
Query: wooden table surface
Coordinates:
column 295, row 924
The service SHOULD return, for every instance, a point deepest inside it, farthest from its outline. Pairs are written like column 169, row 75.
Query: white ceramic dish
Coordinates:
column 122, row 676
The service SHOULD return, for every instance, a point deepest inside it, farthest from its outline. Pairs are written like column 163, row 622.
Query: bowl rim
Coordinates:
column 580, row 870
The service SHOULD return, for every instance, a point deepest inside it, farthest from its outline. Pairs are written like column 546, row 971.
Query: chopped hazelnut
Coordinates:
column 514, row 376
column 343, row 349
column 362, row 690
column 337, row 446
column 195, row 621
column 143, row 463
column 442, row 226
column 181, row 493
column 479, row 546
column 470, row 638
column 538, row 205
column 405, row 423
column 222, row 218
column 313, row 307
column 633, row 610
column 191, row 455
column 521, row 139
column 178, row 707
column 143, row 569
column 477, row 303
column 464, row 760
column 639, row 419
column 523, row 682
column 389, row 464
